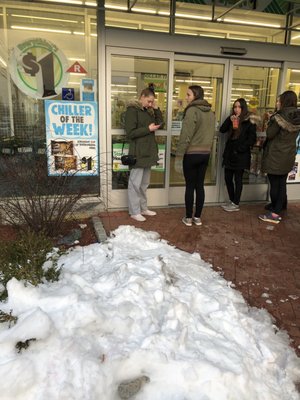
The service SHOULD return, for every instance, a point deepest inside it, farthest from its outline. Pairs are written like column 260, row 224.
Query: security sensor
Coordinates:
column 237, row 51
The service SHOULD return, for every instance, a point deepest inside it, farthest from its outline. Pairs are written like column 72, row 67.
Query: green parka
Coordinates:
column 198, row 128
column 280, row 147
column 142, row 143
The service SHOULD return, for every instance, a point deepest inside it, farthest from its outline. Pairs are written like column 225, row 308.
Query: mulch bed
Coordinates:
column 9, row 233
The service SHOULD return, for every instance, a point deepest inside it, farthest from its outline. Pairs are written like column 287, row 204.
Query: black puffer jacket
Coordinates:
column 280, row 147
column 237, row 153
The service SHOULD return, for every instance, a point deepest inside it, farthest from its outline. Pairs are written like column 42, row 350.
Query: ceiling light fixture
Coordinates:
column 3, row 62
column 44, row 18
column 113, row 7
column 240, row 21
column 192, row 16
column 33, row 28
column 77, row 2
column 143, row 10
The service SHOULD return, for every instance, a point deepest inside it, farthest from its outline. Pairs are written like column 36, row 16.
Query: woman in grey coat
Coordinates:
column 142, row 119
column 280, row 152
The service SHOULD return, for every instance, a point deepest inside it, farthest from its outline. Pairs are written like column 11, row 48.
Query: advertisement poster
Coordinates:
column 119, row 149
column 294, row 174
column 157, row 81
column 72, row 138
column 87, row 89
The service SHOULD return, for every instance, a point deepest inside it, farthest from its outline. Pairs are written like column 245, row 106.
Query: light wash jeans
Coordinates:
column 138, row 183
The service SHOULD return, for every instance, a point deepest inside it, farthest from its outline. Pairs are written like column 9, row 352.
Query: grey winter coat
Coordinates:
column 142, row 143
column 198, row 129
column 280, row 147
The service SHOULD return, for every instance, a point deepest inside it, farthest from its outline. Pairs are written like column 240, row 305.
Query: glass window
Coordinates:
column 210, row 77
column 70, row 30
column 258, row 86
column 130, row 75
column 293, row 81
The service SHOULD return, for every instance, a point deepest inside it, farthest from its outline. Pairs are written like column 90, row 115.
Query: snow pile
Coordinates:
column 135, row 306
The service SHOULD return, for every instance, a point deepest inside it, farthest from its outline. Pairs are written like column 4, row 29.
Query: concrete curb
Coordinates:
column 99, row 229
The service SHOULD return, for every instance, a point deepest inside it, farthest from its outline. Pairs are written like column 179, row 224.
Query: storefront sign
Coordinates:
column 38, row 68
column 119, row 149
column 72, row 137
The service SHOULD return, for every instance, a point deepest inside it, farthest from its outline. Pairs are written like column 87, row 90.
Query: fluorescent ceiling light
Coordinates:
column 242, row 21
column 295, row 70
column 144, row 10
column 77, row 73
column 94, row 34
column 134, row 86
column 122, row 26
column 66, row 1
column 238, row 38
column 295, row 37
column 76, row 59
column 155, row 30
column 3, row 62
column 123, row 91
column 89, row 3
column 78, row 33
column 243, row 89
column 190, row 16
column 32, row 28
column 44, row 18
column 211, row 35
column 294, row 83
column 73, row 83
column 167, row 13
column 113, row 7
column 186, row 33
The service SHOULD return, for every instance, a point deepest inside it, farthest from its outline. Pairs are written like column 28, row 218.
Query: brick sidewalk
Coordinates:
column 262, row 260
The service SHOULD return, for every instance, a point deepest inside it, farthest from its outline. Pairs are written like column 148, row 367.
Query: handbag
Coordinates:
column 127, row 159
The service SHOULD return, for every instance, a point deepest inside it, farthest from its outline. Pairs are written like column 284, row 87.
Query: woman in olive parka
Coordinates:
column 142, row 119
column 280, row 152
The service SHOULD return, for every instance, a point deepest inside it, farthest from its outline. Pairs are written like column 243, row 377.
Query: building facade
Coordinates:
column 68, row 69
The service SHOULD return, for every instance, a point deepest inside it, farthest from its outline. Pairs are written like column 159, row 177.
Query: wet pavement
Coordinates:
column 262, row 260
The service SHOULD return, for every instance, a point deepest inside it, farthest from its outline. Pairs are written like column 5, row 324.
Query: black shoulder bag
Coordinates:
column 127, row 159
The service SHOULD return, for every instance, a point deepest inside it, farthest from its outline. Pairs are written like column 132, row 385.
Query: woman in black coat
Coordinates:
column 241, row 128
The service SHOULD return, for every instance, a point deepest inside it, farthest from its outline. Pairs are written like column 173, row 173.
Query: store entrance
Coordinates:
column 223, row 81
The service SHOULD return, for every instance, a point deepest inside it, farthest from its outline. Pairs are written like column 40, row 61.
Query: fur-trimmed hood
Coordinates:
column 137, row 104
column 288, row 119
column 253, row 118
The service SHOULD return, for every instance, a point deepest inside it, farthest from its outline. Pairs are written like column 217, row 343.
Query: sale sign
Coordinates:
column 38, row 68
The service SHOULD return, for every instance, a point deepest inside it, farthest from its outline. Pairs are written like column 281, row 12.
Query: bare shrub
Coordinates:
column 32, row 199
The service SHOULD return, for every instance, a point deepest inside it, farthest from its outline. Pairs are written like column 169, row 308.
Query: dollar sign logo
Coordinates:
column 30, row 65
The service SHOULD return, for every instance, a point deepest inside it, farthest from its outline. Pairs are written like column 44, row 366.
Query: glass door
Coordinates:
column 257, row 83
column 208, row 73
column 129, row 71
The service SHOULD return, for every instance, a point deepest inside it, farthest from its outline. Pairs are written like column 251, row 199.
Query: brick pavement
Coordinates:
column 262, row 260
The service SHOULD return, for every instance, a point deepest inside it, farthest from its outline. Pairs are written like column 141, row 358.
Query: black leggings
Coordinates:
column 234, row 191
column 194, row 168
column 278, row 192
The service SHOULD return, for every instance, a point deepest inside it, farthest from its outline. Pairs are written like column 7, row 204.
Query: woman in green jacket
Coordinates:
column 142, row 119
column 280, row 152
column 193, row 151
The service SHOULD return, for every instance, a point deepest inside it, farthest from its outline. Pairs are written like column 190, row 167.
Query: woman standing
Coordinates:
column 280, row 151
column 241, row 128
column 193, row 150
column 142, row 119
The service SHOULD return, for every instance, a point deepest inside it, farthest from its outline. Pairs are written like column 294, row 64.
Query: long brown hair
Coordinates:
column 288, row 99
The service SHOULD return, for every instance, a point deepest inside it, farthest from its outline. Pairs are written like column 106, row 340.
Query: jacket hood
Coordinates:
column 203, row 105
column 137, row 104
column 288, row 119
column 253, row 118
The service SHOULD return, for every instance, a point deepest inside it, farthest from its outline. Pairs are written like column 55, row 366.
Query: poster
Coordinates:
column 72, row 138
column 119, row 149
column 294, row 174
column 87, row 89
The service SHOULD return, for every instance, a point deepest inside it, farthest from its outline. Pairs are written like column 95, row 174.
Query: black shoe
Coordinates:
column 270, row 208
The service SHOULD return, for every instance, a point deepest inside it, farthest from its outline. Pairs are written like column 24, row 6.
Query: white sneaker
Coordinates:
column 197, row 221
column 187, row 221
column 138, row 217
column 226, row 204
column 232, row 207
column 149, row 213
